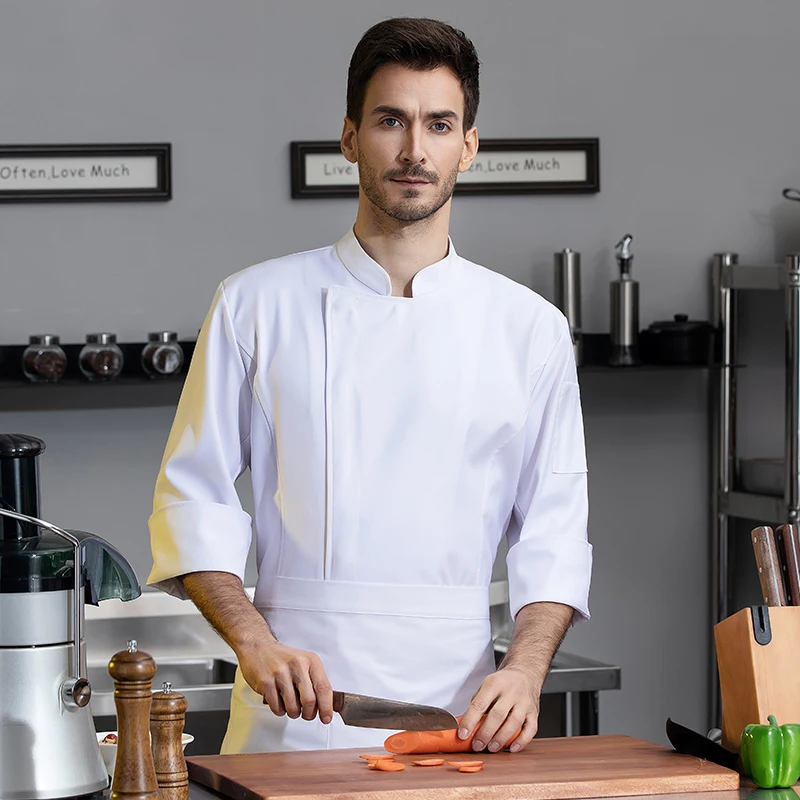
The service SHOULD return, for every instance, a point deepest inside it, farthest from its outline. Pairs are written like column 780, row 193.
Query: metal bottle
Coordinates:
column 567, row 275
column 624, row 306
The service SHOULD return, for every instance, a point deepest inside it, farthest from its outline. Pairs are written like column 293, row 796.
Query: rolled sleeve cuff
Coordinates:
column 197, row 537
column 550, row 570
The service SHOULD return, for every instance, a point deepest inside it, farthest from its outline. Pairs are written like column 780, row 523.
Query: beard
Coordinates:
column 410, row 208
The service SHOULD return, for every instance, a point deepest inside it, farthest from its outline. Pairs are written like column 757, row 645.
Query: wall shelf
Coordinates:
column 134, row 389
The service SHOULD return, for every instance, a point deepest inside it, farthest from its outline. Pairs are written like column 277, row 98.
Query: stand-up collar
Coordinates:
column 369, row 272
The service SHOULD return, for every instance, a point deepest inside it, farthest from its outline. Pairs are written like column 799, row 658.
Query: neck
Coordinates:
column 402, row 248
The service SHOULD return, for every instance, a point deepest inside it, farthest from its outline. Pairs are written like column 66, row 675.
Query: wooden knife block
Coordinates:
column 757, row 680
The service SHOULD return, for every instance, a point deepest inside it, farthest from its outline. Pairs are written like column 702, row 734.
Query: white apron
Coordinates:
column 437, row 653
column 391, row 442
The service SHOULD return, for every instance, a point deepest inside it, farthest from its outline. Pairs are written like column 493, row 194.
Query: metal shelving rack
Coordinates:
column 729, row 278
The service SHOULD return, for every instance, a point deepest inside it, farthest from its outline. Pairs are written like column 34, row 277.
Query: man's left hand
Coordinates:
column 510, row 700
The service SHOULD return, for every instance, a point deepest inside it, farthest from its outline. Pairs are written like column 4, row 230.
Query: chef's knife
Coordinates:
column 375, row 712
column 687, row 741
column 788, row 542
column 769, row 569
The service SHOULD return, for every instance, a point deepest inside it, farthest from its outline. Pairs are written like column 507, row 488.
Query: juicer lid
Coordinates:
column 20, row 445
column 45, row 563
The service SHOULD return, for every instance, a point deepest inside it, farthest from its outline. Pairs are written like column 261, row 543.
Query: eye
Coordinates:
column 390, row 122
column 441, row 127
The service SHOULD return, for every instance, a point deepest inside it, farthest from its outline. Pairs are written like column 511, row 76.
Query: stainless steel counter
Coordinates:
column 197, row 662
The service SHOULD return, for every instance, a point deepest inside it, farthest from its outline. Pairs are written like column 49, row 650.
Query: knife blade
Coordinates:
column 788, row 541
column 363, row 711
column 769, row 569
column 689, row 742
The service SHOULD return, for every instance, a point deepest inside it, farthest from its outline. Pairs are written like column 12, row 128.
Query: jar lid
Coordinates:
column 162, row 336
column 44, row 338
column 101, row 338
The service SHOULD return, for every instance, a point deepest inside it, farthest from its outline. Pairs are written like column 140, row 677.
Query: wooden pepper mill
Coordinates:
column 167, row 715
column 134, row 773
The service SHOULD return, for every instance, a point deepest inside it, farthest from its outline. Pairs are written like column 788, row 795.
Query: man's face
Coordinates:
column 411, row 144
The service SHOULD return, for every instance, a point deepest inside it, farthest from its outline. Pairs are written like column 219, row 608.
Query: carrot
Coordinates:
column 377, row 756
column 414, row 742
column 429, row 762
column 470, row 769
column 385, row 765
column 465, row 763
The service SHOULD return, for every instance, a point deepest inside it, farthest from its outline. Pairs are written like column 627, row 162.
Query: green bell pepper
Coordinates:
column 771, row 754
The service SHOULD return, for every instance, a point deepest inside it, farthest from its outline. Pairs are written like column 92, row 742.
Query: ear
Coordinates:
column 469, row 151
column 349, row 141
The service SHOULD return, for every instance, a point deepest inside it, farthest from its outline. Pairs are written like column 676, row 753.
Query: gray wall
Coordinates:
column 695, row 106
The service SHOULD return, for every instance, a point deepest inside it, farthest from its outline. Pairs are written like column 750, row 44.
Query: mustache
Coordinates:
column 416, row 172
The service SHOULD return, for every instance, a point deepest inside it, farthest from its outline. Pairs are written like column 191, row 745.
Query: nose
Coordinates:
column 412, row 151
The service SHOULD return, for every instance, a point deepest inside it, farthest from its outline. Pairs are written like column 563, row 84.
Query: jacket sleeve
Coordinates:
column 549, row 557
column 198, row 523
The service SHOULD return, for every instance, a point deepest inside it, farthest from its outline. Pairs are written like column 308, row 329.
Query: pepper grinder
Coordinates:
column 167, row 716
column 134, row 773
column 624, row 310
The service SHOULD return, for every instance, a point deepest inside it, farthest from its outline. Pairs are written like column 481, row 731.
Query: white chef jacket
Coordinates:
column 392, row 442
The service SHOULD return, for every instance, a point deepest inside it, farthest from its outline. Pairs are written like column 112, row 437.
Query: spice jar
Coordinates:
column 100, row 358
column 43, row 360
column 162, row 355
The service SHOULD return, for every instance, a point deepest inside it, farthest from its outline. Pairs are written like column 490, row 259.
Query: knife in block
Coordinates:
column 788, row 542
column 769, row 568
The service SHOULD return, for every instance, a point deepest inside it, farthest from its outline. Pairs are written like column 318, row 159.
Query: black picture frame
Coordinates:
column 43, row 154
column 589, row 184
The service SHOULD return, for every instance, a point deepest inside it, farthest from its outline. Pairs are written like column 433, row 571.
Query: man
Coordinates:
column 400, row 410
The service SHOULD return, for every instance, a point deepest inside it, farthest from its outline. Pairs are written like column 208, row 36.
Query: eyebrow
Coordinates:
column 398, row 112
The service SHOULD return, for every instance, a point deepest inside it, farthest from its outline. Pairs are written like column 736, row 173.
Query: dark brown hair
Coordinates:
column 417, row 43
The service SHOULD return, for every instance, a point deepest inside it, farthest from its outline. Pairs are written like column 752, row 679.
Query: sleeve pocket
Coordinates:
column 569, row 448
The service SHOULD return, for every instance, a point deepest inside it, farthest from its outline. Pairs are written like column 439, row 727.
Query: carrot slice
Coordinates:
column 429, row 762
column 419, row 742
column 465, row 763
column 377, row 756
column 470, row 769
column 384, row 765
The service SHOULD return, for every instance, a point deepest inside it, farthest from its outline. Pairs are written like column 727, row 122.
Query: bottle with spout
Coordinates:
column 624, row 310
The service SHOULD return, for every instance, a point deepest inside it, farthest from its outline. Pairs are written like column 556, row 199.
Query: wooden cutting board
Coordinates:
column 548, row 769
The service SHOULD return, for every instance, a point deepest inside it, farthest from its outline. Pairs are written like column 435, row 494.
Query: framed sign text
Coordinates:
column 502, row 166
column 75, row 172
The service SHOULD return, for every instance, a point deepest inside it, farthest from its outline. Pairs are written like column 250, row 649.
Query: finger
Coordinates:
column 272, row 698
column 479, row 705
column 308, row 700
column 494, row 719
column 322, row 690
column 529, row 730
column 513, row 722
column 288, row 693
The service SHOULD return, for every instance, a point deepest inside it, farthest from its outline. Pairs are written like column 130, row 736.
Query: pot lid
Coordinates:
column 680, row 324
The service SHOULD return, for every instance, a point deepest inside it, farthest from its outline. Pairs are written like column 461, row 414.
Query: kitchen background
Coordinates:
column 695, row 105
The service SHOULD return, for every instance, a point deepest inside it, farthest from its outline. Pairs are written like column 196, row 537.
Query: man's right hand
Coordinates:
column 292, row 682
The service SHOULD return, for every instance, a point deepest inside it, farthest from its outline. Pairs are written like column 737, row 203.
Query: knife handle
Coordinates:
column 769, row 570
column 788, row 541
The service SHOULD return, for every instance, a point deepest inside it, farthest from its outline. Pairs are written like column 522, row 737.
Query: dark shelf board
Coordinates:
column 644, row 368
column 133, row 389
column 77, row 393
